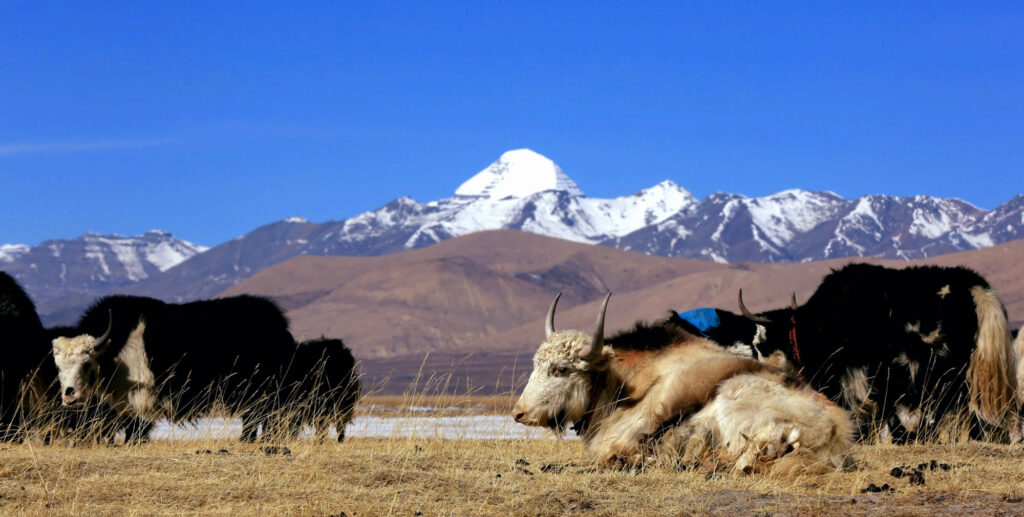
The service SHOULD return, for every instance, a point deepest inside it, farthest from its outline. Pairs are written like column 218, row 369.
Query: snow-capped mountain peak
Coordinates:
column 518, row 173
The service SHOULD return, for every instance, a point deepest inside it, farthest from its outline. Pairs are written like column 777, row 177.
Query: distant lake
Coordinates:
column 461, row 427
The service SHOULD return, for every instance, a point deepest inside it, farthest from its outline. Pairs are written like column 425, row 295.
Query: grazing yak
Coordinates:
column 321, row 387
column 28, row 376
column 22, row 340
column 898, row 347
column 156, row 360
column 659, row 391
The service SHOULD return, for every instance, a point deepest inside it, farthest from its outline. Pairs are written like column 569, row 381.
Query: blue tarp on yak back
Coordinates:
column 704, row 319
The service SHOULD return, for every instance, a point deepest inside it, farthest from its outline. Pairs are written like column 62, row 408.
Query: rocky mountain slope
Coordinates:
column 63, row 275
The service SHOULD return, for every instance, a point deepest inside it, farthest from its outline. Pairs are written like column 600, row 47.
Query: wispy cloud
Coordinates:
column 70, row 146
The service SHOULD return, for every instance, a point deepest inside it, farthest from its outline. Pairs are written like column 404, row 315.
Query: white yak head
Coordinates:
column 564, row 368
column 77, row 365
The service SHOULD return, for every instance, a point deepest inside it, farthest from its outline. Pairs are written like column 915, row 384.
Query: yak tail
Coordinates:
column 992, row 375
column 1018, row 352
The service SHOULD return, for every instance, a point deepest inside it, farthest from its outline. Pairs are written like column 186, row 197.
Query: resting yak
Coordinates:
column 156, row 360
column 659, row 391
column 898, row 347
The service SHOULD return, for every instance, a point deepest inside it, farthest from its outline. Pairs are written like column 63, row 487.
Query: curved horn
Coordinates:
column 747, row 314
column 597, row 341
column 549, row 325
column 110, row 325
column 792, row 304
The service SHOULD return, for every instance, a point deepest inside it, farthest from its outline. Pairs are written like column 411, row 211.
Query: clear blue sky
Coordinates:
column 208, row 121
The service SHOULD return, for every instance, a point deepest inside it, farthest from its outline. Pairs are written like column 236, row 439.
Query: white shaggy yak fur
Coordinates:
column 757, row 423
column 689, row 399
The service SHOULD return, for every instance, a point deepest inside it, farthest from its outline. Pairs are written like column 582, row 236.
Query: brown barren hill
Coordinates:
column 473, row 307
column 453, row 296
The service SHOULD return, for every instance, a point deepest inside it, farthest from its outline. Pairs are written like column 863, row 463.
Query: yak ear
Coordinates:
column 100, row 344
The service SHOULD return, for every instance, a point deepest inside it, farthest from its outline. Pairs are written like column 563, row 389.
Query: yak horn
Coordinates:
column 597, row 342
column 110, row 325
column 747, row 314
column 549, row 325
column 792, row 304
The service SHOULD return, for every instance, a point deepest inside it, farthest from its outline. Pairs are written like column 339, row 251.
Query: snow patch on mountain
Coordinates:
column 10, row 252
column 784, row 215
column 626, row 214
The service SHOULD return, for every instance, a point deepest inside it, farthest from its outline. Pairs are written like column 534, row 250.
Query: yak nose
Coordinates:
column 70, row 396
column 518, row 414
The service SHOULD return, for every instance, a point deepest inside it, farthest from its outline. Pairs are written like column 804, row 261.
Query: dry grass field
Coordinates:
column 365, row 476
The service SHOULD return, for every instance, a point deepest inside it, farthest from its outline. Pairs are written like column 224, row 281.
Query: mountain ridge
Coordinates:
column 526, row 191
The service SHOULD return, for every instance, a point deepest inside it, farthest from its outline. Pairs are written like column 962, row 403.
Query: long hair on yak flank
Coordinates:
column 563, row 373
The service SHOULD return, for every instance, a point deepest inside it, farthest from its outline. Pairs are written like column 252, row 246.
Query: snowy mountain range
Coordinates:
column 526, row 191
column 72, row 272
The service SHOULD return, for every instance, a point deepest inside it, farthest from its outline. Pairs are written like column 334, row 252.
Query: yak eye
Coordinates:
column 560, row 370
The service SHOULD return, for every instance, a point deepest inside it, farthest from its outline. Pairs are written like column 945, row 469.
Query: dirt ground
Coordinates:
column 465, row 477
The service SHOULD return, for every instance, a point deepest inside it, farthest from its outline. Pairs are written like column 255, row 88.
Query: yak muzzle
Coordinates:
column 70, row 397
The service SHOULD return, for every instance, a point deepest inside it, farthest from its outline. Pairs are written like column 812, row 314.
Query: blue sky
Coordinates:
column 208, row 121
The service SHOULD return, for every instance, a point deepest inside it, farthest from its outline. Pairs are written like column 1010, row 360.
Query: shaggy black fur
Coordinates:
column 321, row 380
column 23, row 343
column 858, row 318
column 231, row 350
column 654, row 336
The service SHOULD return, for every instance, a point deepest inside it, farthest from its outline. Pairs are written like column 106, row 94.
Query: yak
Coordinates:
column 900, row 348
column 321, row 387
column 154, row 360
column 22, row 339
column 28, row 376
column 659, row 391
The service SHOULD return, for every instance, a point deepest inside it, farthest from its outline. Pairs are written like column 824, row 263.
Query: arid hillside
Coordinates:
column 476, row 303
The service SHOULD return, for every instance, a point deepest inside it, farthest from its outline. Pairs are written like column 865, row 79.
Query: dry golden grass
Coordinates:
column 466, row 477
column 407, row 476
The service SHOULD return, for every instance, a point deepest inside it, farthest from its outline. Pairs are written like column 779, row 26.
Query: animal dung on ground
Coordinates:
column 272, row 450
column 916, row 478
column 873, row 488
column 552, row 468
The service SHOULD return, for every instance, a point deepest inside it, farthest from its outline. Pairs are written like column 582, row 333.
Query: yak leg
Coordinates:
column 136, row 431
column 341, row 429
column 250, row 426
